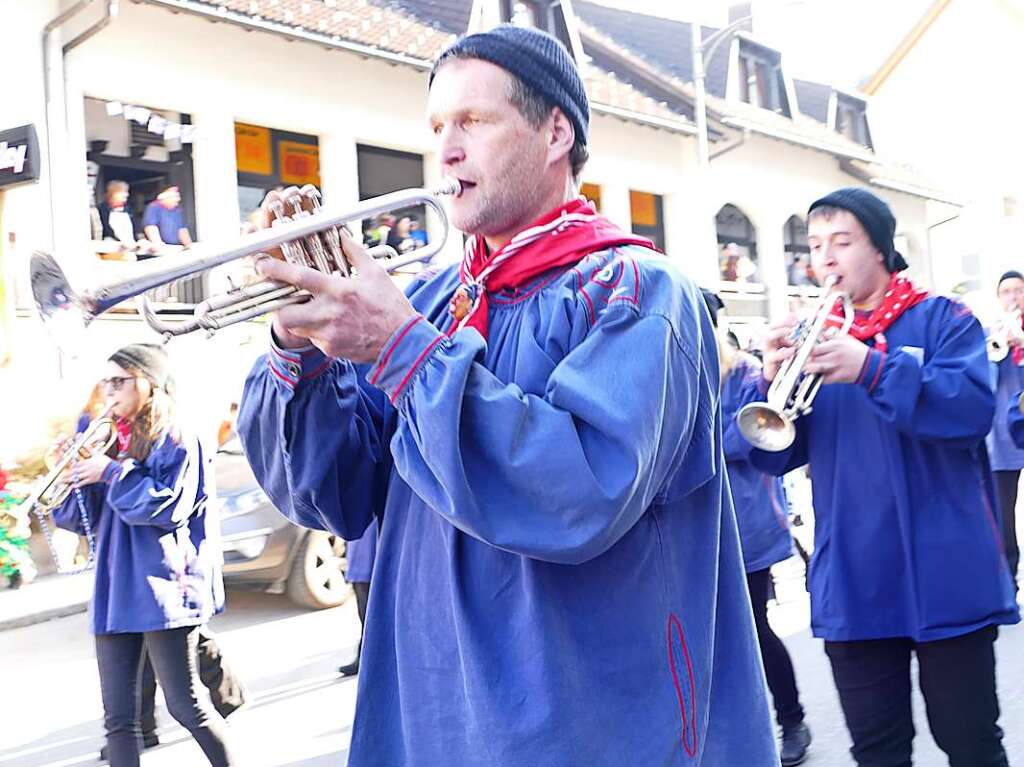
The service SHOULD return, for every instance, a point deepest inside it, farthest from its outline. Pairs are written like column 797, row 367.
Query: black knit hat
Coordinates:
column 1013, row 274
column 874, row 215
column 536, row 58
column 150, row 360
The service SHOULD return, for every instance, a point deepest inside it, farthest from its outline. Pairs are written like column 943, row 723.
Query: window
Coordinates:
column 646, row 217
column 268, row 159
column 593, row 193
column 737, row 240
column 760, row 78
column 382, row 171
column 798, row 254
column 852, row 120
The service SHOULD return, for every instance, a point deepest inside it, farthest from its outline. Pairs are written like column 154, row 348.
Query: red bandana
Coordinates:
column 559, row 238
column 124, row 435
column 899, row 296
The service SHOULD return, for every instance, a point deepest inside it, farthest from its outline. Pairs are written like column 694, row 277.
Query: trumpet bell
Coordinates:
column 60, row 307
column 765, row 428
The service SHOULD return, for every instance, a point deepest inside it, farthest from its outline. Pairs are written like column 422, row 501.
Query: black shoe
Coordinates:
column 350, row 669
column 148, row 741
column 795, row 742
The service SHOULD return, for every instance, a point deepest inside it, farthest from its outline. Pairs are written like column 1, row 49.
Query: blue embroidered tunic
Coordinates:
column 558, row 577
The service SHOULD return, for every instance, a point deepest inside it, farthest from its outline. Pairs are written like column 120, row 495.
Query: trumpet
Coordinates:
column 53, row 489
column 1008, row 328
column 770, row 425
column 306, row 233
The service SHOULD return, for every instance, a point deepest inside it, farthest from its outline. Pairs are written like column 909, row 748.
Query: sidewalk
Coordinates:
column 48, row 597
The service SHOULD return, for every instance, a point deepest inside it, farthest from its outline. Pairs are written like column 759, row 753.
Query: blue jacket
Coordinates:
column 559, row 578
column 158, row 554
column 759, row 499
column 1003, row 454
column 1014, row 418
column 907, row 539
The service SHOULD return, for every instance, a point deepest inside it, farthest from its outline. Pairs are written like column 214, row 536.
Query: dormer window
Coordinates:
column 852, row 120
column 760, row 78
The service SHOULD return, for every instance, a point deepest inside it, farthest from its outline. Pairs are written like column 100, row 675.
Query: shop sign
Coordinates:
column 19, row 156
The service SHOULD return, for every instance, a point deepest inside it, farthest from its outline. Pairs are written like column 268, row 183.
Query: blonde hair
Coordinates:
column 153, row 421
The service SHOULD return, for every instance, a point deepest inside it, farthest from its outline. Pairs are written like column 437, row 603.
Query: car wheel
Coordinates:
column 317, row 579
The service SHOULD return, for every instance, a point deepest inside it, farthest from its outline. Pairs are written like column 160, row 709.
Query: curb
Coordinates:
column 43, row 615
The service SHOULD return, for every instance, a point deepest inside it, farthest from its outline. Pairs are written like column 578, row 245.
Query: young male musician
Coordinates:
column 908, row 557
column 558, row 579
column 1007, row 458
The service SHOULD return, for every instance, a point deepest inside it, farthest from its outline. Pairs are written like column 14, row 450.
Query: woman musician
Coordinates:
column 158, row 566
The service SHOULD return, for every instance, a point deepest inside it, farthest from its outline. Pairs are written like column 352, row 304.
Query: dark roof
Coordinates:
column 663, row 43
column 449, row 15
column 813, row 99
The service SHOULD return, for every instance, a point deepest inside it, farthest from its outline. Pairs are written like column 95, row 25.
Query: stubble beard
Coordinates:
column 504, row 202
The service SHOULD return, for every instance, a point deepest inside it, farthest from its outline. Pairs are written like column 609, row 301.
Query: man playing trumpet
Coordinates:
column 1008, row 374
column 559, row 578
column 908, row 557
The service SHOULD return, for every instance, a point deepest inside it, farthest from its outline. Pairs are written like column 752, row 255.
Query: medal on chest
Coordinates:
column 462, row 301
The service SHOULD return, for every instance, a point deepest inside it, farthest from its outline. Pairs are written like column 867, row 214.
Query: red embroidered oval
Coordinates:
column 689, row 738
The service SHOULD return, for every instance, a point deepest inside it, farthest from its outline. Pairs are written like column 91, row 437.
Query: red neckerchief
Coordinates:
column 900, row 295
column 558, row 238
column 124, row 435
column 1017, row 352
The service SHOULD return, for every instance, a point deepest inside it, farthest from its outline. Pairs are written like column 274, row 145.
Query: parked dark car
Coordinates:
column 263, row 550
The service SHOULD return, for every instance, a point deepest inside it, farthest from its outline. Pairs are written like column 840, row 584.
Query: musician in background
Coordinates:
column 558, row 577
column 761, row 514
column 1008, row 373
column 158, row 574
column 908, row 558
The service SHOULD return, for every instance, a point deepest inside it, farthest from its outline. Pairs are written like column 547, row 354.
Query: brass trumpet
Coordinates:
column 770, row 425
column 52, row 490
column 307, row 234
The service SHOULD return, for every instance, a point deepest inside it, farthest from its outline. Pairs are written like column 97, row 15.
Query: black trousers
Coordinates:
column 173, row 654
column 226, row 692
column 1006, row 489
column 958, row 681
column 778, row 668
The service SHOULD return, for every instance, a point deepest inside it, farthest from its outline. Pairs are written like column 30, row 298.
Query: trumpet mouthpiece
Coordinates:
column 450, row 187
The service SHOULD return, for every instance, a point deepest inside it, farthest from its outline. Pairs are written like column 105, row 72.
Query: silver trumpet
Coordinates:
column 998, row 342
column 306, row 233
column 770, row 425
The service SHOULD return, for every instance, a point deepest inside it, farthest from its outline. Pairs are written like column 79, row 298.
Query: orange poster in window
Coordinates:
column 252, row 149
column 643, row 208
column 593, row 193
column 300, row 163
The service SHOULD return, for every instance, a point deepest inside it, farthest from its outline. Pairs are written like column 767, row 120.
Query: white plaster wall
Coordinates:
column 952, row 108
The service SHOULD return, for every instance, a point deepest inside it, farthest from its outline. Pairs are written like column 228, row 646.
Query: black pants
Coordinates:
column 958, row 681
column 778, row 668
column 1006, row 489
column 173, row 654
column 226, row 693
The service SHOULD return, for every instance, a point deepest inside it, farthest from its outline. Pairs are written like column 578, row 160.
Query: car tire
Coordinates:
column 317, row 578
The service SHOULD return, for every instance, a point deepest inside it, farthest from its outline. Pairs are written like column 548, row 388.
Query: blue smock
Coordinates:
column 759, row 498
column 558, row 578
column 1008, row 380
column 907, row 540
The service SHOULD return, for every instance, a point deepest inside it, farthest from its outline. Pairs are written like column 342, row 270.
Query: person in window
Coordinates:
column 908, row 559
column 537, row 432
column 417, row 233
column 163, row 222
column 158, row 566
column 117, row 221
column 398, row 236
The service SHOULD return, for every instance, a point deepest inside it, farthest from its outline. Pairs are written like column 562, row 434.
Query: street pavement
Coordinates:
column 302, row 710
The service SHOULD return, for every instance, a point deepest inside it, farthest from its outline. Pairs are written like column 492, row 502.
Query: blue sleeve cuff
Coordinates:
column 290, row 366
column 404, row 354
column 871, row 372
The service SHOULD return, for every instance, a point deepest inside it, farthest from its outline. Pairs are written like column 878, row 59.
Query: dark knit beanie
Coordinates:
column 150, row 360
column 536, row 58
column 1013, row 274
column 874, row 215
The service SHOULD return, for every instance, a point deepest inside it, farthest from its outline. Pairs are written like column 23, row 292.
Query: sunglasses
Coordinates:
column 115, row 382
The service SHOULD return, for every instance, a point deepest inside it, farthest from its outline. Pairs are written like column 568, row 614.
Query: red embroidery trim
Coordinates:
column 415, row 367
column 689, row 726
column 391, row 350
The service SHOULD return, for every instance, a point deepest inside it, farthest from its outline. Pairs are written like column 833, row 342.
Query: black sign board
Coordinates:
column 19, row 155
